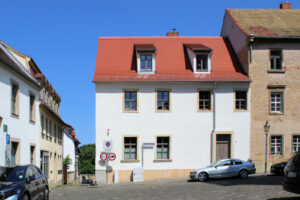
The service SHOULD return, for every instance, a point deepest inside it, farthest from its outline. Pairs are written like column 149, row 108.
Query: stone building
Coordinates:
column 267, row 43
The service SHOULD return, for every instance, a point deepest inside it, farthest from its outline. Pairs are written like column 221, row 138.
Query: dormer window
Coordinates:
column 200, row 57
column 201, row 62
column 146, row 63
column 145, row 58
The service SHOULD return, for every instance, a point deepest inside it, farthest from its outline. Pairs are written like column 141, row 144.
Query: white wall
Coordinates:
column 69, row 149
column 190, row 130
column 19, row 128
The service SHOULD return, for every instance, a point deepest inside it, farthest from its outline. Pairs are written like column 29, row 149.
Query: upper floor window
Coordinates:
column 145, row 58
column 163, row 100
column 201, row 62
column 240, row 100
column 130, row 101
column 204, row 101
column 296, row 143
column 32, row 108
column 276, row 102
column 276, row 59
column 14, row 99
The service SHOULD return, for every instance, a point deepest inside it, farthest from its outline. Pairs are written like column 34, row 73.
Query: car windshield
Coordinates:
column 214, row 163
column 8, row 174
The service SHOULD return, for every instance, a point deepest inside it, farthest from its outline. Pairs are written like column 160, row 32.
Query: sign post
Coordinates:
column 8, row 151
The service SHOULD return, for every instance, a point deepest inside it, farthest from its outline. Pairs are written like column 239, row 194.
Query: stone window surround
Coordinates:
column 282, row 60
column 170, row 101
column 17, row 110
column 279, row 89
column 282, row 145
column 137, row 100
column 247, row 100
column 211, row 100
column 170, row 149
column 137, row 149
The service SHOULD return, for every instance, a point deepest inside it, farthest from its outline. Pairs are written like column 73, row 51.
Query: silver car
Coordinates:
column 224, row 168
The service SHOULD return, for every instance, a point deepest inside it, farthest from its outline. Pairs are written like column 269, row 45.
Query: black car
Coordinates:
column 278, row 168
column 23, row 183
column 291, row 182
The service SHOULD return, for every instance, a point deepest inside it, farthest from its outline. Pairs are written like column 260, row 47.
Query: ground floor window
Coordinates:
column 45, row 163
column 163, row 147
column 276, row 145
column 130, row 148
column 32, row 154
column 14, row 153
column 296, row 143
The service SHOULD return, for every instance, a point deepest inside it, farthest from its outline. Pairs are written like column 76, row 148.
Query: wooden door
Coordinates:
column 223, row 146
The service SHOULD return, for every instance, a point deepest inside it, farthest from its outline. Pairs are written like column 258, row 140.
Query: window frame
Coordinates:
column 281, row 112
column 169, row 159
column 298, row 142
column 211, row 100
column 235, row 100
column 156, row 99
column 137, row 149
column 16, row 113
column 208, row 62
column 146, row 52
column 271, row 60
column 137, row 100
column 281, row 145
column 32, row 108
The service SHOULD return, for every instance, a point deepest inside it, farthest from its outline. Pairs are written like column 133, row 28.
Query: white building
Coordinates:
column 70, row 148
column 19, row 112
column 168, row 105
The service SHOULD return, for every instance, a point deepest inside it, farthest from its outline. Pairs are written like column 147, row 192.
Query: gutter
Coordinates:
column 214, row 124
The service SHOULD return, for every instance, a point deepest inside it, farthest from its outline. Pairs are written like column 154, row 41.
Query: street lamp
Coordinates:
column 267, row 129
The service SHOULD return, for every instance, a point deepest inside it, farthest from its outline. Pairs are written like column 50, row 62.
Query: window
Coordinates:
column 32, row 108
column 130, row 148
column 276, row 145
column 204, row 100
column 296, row 143
column 162, row 147
column 47, row 130
column 202, row 62
column 276, row 102
column 130, row 100
column 50, row 129
column 42, row 124
column 146, row 62
column 276, row 59
column 241, row 100
column 45, row 163
column 14, row 99
column 162, row 100
column 55, row 133
column 32, row 154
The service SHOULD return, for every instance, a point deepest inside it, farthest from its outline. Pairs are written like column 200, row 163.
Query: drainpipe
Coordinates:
column 251, row 39
column 214, row 124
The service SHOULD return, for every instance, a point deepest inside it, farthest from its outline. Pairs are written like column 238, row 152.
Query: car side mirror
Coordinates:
column 30, row 179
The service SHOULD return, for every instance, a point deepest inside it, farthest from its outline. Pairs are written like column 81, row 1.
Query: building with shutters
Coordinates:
column 169, row 105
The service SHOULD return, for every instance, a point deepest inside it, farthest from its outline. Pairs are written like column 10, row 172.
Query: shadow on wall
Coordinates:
column 252, row 180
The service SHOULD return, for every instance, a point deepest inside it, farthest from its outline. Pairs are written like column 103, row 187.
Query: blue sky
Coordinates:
column 61, row 36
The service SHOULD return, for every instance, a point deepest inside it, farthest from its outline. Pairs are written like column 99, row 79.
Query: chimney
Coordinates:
column 286, row 6
column 173, row 33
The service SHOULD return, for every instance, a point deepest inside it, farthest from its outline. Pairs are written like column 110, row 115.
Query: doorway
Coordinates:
column 223, row 147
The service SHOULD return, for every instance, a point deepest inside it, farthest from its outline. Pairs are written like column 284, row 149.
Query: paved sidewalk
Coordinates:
column 255, row 187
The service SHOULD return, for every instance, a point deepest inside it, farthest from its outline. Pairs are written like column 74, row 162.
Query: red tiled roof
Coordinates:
column 116, row 59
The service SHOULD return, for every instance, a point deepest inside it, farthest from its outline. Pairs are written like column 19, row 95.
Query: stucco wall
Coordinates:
column 69, row 149
column 20, row 128
column 190, row 130
column 287, row 124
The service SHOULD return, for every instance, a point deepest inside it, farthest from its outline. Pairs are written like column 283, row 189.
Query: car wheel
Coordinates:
column 243, row 174
column 46, row 195
column 25, row 197
column 202, row 177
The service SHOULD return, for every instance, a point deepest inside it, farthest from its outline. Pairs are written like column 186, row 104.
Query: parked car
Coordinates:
column 224, row 168
column 278, row 168
column 23, row 183
column 291, row 182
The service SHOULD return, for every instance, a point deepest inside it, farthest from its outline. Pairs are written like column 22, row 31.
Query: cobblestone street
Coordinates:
column 255, row 187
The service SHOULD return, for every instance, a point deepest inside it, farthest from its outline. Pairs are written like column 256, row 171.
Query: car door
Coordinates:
column 39, row 183
column 31, row 184
column 236, row 167
column 223, row 169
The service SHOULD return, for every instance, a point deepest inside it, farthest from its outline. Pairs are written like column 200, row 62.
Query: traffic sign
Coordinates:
column 7, row 139
column 112, row 156
column 103, row 156
column 107, row 144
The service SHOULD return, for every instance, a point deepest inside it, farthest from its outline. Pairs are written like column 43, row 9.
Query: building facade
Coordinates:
column 267, row 44
column 19, row 112
column 168, row 105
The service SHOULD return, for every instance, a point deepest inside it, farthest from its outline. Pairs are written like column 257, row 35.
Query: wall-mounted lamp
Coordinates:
column 0, row 121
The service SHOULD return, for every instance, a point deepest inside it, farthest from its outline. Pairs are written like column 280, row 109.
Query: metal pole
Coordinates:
column 266, row 161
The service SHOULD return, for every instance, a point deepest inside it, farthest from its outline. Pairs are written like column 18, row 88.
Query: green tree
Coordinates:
column 86, row 162
column 67, row 161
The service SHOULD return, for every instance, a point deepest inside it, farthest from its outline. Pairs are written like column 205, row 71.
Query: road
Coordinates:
column 255, row 187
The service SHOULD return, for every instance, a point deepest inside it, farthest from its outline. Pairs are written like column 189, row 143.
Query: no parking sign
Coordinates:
column 107, row 145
